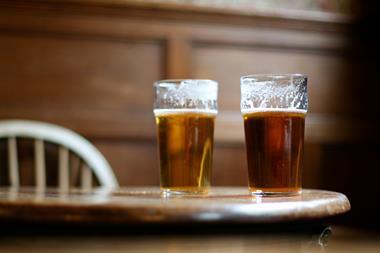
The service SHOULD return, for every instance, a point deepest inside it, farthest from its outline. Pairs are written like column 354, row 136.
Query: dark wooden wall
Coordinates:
column 90, row 65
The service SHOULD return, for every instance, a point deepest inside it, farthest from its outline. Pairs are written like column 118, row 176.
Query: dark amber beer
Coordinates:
column 274, row 143
column 274, row 109
column 185, row 140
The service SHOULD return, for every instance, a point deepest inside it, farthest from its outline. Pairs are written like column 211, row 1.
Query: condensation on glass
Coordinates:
column 274, row 109
column 185, row 112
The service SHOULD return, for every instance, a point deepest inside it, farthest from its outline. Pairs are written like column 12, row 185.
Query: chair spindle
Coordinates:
column 86, row 180
column 63, row 169
column 39, row 164
column 13, row 162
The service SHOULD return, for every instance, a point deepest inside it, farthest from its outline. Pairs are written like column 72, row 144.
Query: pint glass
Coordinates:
column 185, row 112
column 274, row 109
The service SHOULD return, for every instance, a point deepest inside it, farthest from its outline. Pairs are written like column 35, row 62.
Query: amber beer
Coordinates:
column 274, row 140
column 185, row 139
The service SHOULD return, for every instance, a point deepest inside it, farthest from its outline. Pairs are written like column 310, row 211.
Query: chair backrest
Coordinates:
column 67, row 140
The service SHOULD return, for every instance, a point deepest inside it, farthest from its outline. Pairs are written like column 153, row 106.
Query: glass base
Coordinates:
column 187, row 191
column 273, row 193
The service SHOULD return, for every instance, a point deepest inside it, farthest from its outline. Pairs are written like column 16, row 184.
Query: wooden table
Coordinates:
column 147, row 206
column 50, row 221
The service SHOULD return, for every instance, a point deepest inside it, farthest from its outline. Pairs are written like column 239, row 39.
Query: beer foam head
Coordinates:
column 159, row 112
column 263, row 110
column 190, row 94
column 274, row 91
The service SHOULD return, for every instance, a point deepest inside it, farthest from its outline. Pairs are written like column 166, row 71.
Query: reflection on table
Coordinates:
column 101, row 220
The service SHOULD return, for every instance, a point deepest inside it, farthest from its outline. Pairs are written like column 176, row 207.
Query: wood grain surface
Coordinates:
column 146, row 205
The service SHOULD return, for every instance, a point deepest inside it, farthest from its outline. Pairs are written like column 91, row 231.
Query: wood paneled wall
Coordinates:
column 93, row 72
column 90, row 65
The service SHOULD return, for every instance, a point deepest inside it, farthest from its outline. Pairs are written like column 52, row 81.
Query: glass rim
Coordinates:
column 178, row 81
column 279, row 76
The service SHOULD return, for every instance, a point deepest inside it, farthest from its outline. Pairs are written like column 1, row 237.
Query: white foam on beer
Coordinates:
column 158, row 112
column 276, row 93
column 261, row 110
column 203, row 90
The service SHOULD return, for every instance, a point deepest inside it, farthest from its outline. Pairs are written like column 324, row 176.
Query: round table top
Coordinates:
column 147, row 205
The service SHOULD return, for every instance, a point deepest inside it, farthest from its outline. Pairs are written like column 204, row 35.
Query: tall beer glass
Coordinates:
column 185, row 112
column 274, row 109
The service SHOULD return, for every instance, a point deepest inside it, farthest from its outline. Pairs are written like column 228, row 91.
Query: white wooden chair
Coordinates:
column 67, row 140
